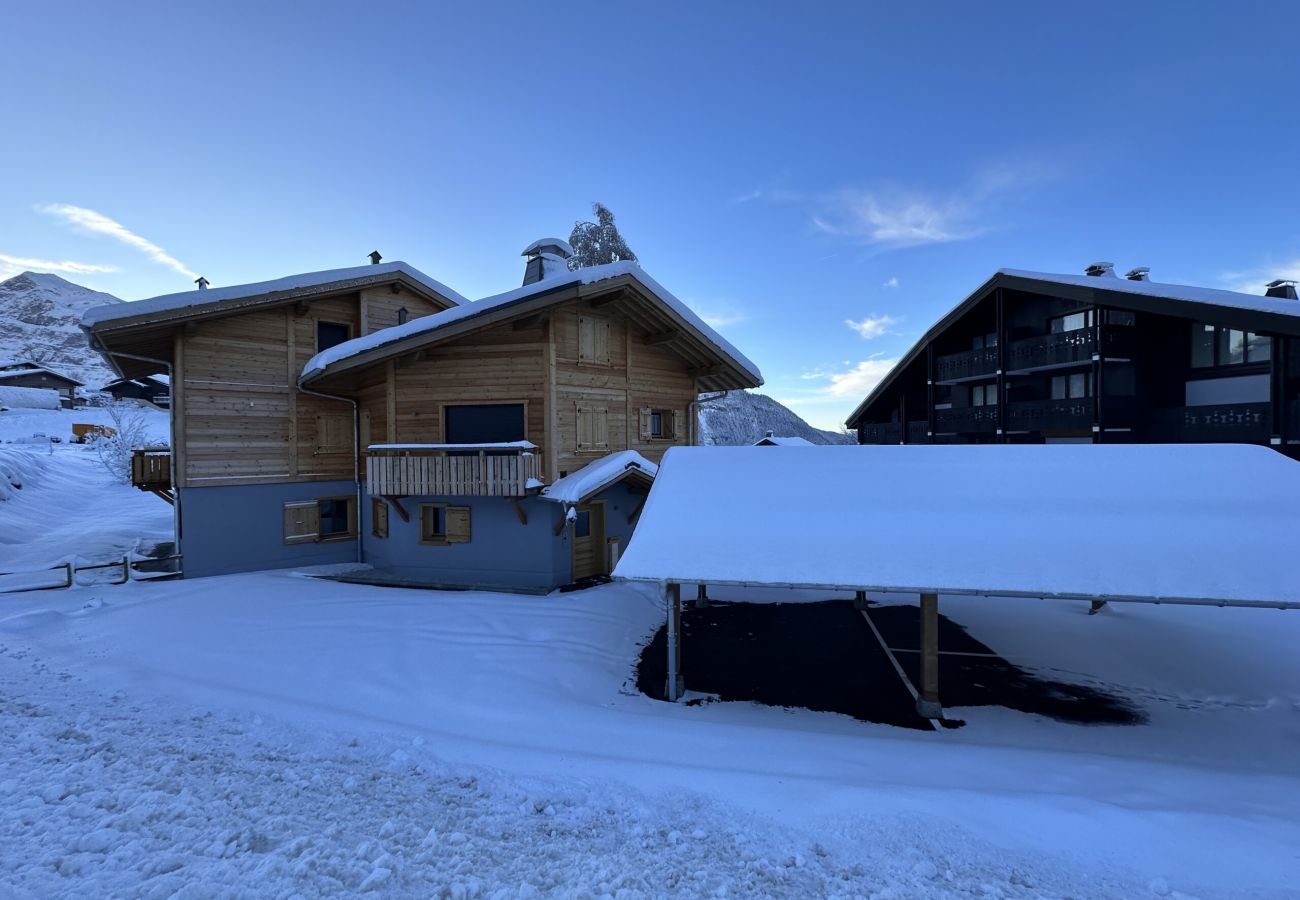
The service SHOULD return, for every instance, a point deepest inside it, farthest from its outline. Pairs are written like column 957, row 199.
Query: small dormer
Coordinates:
column 547, row 258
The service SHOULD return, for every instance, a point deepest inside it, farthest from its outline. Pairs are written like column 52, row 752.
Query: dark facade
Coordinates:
column 149, row 389
column 1035, row 358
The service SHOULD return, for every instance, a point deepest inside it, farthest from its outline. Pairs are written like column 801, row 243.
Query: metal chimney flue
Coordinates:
column 1101, row 269
column 202, row 283
column 1141, row 273
column 1282, row 288
column 375, row 257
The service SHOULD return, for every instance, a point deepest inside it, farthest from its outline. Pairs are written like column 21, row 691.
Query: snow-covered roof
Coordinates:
column 773, row 441
column 599, row 474
column 174, row 302
column 6, row 374
column 590, row 275
column 1184, row 292
column 1192, row 521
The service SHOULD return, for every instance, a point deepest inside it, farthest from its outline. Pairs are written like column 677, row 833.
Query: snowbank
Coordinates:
column 18, row 468
column 1158, row 521
column 29, row 398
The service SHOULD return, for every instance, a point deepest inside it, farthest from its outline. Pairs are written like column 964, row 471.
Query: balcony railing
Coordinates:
column 881, row 433
column 1050, row 415
column 151, row 468
column 453, row 470
column 1068, row 347
column 966, row 420
column 1244, row 422
column 970, row 364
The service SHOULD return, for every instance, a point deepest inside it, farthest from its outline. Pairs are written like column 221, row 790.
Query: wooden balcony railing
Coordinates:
column 969, row 364
column 1226, row 422
column 966, row 420
column 1066, row 347
column 151, row 468
column 453, row 470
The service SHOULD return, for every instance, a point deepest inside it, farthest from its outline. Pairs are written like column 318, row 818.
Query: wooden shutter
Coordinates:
column 457, row 524
column 600, row 341
column 669, row 424
column 379, row 518
column 301, row 522
column 584, row 428
column 646, row 428
column 333, row 434
column 599, row 429
column 586, row 339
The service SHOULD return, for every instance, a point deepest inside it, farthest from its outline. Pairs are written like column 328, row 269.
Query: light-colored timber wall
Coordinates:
column 240, row 418
column 379, row 308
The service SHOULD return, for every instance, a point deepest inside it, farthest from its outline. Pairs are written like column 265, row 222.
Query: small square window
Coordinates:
column 331, row 334
column 442, row 524
column 335, row 517
column 582, row 524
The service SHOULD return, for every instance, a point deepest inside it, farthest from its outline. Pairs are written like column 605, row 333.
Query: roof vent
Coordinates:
column 375, row 257
column 1101, row 269
column 1141, row 273
column 1283, row 288
column 547, row 258
column 202, row 283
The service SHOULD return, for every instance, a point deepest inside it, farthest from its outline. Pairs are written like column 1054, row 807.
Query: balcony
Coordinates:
column 1069, row 348
column 961, row 366
column 880, row 433
column 1229, row 422
column 1050, row 415
column 151, row 470
column 453, row 470
column 966, row 420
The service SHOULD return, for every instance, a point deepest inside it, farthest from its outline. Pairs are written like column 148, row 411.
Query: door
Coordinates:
column 589, row 541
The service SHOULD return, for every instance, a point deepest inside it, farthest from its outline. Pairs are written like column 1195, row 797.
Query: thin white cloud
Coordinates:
column 890, row 282
column 99, row 223
column 1256, row 280
column 897, row 219
column 872, row 326
column 861, row 379
column 21, row 263
column 720, row 314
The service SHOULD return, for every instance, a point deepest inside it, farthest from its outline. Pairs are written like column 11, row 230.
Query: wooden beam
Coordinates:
column 402, row 513
column 519, row 510
column 300, row 308
column 527, row 322
column 602, row 300
column 661, row 337
column 927, row 703
column 706, row 371
column 291, row 378
column 390, row 401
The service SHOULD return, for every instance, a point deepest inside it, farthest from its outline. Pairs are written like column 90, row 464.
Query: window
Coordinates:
column 441, row 524
column 402, row 316
column 1071, row 387
column 593, row 341
column 378, row 518
column 658, row 424
column 593, row 428
column 1218, row 346
column 984, row 395
column 483, row 423
column 310, row 521
column 1071, row 322
column 331, row 334
column 1120, row 317
column 982, row 341
column 582, row 523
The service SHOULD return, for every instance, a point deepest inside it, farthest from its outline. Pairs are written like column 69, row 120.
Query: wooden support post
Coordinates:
column 676, row 685
column 702, row 596
column 860, row 600
column 927, row 704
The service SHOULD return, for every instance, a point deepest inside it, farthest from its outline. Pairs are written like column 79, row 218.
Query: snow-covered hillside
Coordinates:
column 739, row 418
column 39, row 316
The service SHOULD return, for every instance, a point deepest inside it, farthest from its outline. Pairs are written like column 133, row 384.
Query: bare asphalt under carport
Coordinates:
column 823, row 656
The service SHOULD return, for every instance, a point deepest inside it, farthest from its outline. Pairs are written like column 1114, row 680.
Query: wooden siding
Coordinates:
column 379, row 308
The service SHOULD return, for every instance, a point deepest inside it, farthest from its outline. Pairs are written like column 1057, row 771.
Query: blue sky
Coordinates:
column 821, row 181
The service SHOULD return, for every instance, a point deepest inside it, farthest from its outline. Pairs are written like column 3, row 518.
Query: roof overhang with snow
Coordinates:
column 620, row 287
column 1209, row 305
column 1192, row 523
column 602, row 474
column 8, row 374
column 144, row 327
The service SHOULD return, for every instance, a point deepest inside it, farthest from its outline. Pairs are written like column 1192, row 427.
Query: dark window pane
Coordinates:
column 493, row 423
column 333, row 517
column 1079, row 385
column 977, row 342
column 1202, row 346
column 330, row 334
column 1120, row 317
column 1232, row 347
column 656, row 424
column 432, row 523
column 582, row 524
column 1058, row 387
column 1259, row 347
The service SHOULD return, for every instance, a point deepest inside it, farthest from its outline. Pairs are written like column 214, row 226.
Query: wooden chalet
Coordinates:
column 153, row 389
column 375, row 415
column 1033, row 357
column 29, row 374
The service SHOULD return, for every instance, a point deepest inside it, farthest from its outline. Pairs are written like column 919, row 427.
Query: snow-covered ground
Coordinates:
column 72, row 508
column 274, row 735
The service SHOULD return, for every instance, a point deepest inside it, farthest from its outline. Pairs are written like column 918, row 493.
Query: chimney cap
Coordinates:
column 1283, row 288
column 1100, row 269
column 1138, row 273
column 554, row 246
column 202, row 283
column 1278, row 282
column 375, row 257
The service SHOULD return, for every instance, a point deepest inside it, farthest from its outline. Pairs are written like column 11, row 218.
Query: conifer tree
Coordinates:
column 596, row 243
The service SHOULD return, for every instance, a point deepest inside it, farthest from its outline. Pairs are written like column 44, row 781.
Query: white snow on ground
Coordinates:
column 271, row 735
column 71, row 508
column 28, row 398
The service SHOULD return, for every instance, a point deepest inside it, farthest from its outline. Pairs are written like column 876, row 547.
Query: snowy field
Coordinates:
column 275, row 735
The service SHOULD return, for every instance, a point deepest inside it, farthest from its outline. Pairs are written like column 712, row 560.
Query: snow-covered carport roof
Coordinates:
column 1203, row 524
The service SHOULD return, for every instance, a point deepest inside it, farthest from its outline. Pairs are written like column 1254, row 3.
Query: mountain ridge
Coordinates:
column 40, row 316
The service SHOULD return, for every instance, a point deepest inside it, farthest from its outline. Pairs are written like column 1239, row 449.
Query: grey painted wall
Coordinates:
column 240, row 528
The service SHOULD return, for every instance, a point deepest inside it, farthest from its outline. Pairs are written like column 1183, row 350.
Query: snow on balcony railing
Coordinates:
column 510, row 469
